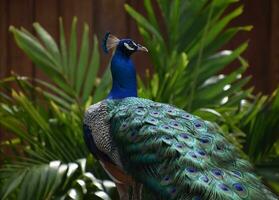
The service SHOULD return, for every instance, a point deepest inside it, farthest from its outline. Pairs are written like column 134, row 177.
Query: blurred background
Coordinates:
column 41, row 113
column 262, row 53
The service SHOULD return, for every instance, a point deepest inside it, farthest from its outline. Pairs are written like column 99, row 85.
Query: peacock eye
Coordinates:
column 129, row 47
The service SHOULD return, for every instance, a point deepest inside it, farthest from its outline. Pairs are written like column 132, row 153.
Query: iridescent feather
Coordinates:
column 179, row 156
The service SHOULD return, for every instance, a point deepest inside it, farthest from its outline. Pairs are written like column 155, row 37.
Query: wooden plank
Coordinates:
column 142, row 60
column 20, row 14
column 109, row 16
column 83, row 10
column 257, row 54
column 3, row 39
column 3, row 51
column 274, row 50
column 46, row 13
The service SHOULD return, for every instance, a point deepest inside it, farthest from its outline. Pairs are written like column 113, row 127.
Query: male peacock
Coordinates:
column 172, row 153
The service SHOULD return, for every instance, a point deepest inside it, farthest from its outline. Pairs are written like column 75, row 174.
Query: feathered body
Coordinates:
column 172, row 153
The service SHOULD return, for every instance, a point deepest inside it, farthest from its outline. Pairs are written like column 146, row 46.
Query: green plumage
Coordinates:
column 179, row 156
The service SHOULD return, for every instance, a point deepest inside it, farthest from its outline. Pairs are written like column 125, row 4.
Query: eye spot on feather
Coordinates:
column 166, row 127
column 185, row 135
column 173, row 190
column 191, row 169
column 140, row 111
column 133, row 136
column 123, row 126
column 193, row 155
column 179, row 146
column 217, row 173
column 167, row 178
column 220, row 146
column 237, row 173
column 240, row 190
column 168, row 138
column 171, row 112
column 186, row 116
column 201, row 153
column 205, row 179
column 156, row 104
column 155, row 114
column 224, row 187
column 175, row 124
column 238, row 187
column 204, row 140
column 197, row 125
column 151, row 130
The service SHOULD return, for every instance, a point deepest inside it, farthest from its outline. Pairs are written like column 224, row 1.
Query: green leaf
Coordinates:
column 213, row 33
column 41, row 57
column 142, row 21
column 49, row 44
column 63, row 46
column 102, row 87
column 83, row 59
column 73, row 51
column 92, row 71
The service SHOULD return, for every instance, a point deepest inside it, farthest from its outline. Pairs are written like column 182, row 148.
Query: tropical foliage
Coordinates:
column 187, row 53
column 46, row 120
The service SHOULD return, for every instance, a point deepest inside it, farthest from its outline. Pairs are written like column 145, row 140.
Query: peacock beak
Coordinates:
column 142, row 48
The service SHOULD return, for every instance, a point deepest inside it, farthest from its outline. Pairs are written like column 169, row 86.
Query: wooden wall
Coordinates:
column 103, row 15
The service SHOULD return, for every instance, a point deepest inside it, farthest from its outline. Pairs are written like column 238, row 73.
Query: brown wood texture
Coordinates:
column 273, row 69
column 19, row 14
column 108, row 15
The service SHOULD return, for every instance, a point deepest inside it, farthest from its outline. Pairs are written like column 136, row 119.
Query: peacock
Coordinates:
column 173, row 154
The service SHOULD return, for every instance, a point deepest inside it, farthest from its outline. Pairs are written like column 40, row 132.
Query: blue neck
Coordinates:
column 124, row 82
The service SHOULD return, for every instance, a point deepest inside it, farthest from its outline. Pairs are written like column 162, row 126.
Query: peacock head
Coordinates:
column 125, row 46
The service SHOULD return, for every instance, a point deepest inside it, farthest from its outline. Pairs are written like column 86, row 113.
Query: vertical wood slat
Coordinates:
column 109, row 16
column 273, row 74
column 20, row 15
column 3, row 38
column 141, row 59
column 46, row 14
column 83, row 10
column 68, row 9
column 256, row 14
column 3, row 49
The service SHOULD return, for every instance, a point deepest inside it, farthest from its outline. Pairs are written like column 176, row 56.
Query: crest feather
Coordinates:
column 109, row 41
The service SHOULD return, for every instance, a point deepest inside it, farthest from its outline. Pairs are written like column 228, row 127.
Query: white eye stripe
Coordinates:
column 128, row 46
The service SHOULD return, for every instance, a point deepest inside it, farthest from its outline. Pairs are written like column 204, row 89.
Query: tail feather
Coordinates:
column 178, row 155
